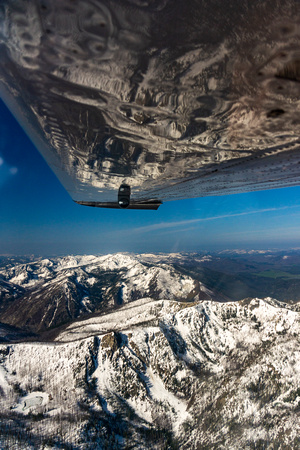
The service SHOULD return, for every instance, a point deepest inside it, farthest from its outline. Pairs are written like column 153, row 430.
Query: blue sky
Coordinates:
column 37, row 215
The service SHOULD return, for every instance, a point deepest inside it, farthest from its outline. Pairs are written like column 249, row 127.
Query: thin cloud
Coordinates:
column 182, row 230
column 181, row 223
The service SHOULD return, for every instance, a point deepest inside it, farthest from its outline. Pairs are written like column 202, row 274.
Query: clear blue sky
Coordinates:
column 37, row 216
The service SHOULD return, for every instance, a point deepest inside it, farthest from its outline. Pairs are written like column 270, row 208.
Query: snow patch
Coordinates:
column 32, row 402
column 3, row 379
column 159, row 392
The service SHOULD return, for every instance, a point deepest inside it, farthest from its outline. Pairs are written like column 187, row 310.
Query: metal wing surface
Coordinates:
column 172, row 98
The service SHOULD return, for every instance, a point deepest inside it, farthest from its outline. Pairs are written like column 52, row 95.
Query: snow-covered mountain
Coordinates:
column 159, row 374
column 47, row 293
column 148, row 357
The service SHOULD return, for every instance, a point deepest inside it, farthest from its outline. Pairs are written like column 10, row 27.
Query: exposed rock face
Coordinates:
column 202, row 376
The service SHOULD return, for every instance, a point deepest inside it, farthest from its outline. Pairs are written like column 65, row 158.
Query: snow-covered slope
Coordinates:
column 159, row 375
column 48, row 293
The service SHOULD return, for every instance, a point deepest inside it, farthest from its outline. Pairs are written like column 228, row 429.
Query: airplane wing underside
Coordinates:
column 172, row 98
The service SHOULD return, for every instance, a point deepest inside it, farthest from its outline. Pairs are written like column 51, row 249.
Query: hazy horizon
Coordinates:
column 204, row 252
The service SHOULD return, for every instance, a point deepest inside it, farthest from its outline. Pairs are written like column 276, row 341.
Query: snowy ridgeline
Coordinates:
column 141, row 269
column 189, row 376
column 48, row 293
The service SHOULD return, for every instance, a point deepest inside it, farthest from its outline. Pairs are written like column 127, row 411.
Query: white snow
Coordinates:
column 3, row 379
column 131, row 314
column 19, row 279
column 160, row 342
column 86, row 304
column 159, row 392
column 32, row 401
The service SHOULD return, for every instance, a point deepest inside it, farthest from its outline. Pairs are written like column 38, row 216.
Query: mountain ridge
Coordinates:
column 205, row 375
column 148, row 357
column 49, row 293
